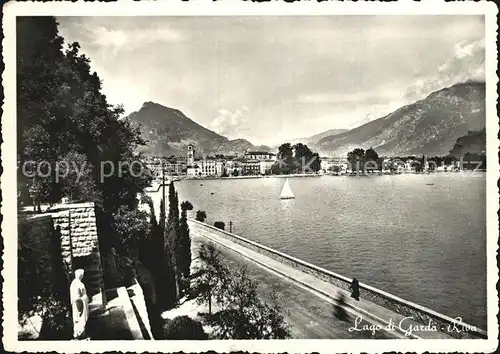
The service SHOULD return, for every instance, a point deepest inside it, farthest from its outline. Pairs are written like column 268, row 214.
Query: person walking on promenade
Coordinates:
column 339, row 309
column 354, row 289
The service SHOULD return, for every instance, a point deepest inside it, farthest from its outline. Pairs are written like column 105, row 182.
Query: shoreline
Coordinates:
column 300, row 175
column 157, row 187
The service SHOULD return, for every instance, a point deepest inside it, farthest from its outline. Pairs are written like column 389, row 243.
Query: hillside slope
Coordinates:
column 169, row 132
column 429, row 126
column 473, row 143
column 314, row 139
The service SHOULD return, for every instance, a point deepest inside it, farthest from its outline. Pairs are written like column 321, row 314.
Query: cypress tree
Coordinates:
column 161, row 223
column 171, row 239
column 184, row 241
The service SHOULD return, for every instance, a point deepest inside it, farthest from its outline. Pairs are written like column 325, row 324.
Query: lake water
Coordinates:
column 424, row 243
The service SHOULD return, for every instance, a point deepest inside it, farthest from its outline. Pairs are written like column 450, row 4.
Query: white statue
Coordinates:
column 79, row 304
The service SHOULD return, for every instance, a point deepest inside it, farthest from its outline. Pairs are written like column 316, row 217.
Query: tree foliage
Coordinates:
column 43, row 289
column 296, row 159
column 361, row 159
column 162, row 221
column 63, row 118
column 183, row 249
column 245, row 315
column 132, row 227
column 212, row 276
column 62, row 115
column 178, row 241
column 242, row 314
column 183, row 328
column 76, row 180
column 220, row 225
column 201, row 215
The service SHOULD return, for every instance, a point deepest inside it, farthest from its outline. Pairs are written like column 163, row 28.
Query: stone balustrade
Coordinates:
column 379, row 297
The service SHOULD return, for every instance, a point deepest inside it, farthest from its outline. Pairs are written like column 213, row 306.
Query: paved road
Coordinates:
column 277, row 273
column 309, row 315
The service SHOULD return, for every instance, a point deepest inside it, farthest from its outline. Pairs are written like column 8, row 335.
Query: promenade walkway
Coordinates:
column 309, row 300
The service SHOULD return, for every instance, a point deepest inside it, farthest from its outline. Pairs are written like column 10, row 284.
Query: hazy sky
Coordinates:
column 268, row 79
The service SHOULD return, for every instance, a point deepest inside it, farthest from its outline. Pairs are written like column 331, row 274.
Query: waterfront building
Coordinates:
column 259, row 155
column 408, row 166
column 220, row 167
column 335, row 165
column 326, row 164
column 206, row 168
column 193, row 171
column 386, row 165
column 173, row 169
column 251, row 168
column 265, row 166
column 234, row 167
column 426, row 165
column 170, row 166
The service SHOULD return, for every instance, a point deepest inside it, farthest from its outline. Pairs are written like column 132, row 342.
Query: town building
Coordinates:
column 326, row 163
column 250, row 168
column 206, row 168
column 386, row 165
column 220, row 167
column 194, row 170
column 265, row 166
column 234, row 167
column 336, row 165
column 259, row 155
column 171, row 167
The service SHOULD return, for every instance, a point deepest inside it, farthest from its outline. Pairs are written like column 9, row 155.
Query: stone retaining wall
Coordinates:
column 75, row 227
column 37, row 234
column 379, row 297
column 79, row 240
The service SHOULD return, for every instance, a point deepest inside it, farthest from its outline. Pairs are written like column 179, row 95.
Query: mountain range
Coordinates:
column 473, row 143
column 451, row 119
column 314, row 139
column 429, row 126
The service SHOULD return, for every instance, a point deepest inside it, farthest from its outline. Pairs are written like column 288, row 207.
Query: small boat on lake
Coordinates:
column 286, row 192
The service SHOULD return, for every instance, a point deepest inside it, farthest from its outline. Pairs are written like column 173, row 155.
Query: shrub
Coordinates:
column 211, row 277
column 57, row 319
column 245, row 315
column 201, row 215
column 219, row 225
column 183, row 328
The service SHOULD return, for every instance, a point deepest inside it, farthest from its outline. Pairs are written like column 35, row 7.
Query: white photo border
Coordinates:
column 233, row 8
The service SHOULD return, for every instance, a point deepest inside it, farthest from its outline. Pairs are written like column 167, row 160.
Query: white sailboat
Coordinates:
column 286, row 192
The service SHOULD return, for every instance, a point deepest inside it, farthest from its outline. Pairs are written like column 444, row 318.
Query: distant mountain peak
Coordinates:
column 154, row 105
column 150, row 104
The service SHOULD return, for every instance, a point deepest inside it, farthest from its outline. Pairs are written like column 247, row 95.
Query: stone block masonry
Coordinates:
column 37, row 234
column 76, row 226
column 80, row 242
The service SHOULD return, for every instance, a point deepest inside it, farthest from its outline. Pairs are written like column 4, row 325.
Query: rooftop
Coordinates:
column 259, row 153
